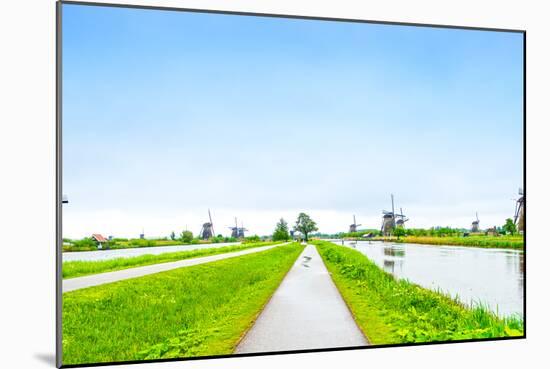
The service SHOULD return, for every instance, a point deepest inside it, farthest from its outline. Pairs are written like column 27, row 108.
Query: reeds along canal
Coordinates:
column 492, row 277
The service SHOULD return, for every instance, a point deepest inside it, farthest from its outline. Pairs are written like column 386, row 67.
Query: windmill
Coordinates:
column 207, row 230
column 401, row 219
column 236, row 231
column 519, row 214
column 388, row 220
column 475, row 224
column 242, row 230
column 353, row 227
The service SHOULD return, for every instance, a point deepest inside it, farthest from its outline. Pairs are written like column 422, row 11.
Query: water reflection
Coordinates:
column 394, row 251
column 393, row 266
column 493, row 277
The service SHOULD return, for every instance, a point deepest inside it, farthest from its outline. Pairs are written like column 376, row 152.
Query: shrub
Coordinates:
column 186, row 236
column 85, row 243
column 250, row 239
column 119, row 240
column 141, row 242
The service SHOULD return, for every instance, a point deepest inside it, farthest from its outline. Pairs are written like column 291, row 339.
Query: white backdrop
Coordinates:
column 27, row 181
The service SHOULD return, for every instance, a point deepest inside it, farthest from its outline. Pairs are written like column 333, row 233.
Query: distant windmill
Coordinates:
column 242, row 230
column 353, row 227
column 237, row 232
column 388, row 220
column 207, row 230
column 401, row 219
column 475, row 224
column 519, row 214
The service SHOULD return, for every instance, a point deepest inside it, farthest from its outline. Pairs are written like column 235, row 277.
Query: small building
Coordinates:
column 99, row 239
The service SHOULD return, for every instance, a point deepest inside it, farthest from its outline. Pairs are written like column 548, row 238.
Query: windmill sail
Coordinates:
column 211, row 223
column 353, row 227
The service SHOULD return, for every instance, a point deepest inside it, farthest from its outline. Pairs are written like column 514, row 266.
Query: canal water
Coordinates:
column 126, row 253
column 493, row 277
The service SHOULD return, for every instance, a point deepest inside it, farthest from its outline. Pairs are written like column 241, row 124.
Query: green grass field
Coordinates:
column 193, row 311
column 505, row 242
column 136, row 243
column 70, row 248
column 389, row 310
column 72, row 269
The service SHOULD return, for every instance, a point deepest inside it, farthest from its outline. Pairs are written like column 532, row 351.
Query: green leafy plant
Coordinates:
column 281, row 231
column 186, row 236
column 305, row 225
column 509, row 227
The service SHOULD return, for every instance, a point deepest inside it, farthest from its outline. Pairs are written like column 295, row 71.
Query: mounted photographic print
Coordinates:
column 247, row 184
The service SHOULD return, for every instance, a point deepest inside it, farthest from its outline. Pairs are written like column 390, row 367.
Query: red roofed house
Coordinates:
column 99, row 239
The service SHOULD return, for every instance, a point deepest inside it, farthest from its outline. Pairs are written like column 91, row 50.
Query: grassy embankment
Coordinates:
column 505, row 242
column 194, row 311
column 390, row 310
column 72, row 269
column 88, row 245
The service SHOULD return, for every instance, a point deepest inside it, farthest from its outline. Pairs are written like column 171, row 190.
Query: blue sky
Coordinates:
column 167, row 114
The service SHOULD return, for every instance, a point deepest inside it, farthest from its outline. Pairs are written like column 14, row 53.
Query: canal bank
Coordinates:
column 391, row 310
column 491, row 277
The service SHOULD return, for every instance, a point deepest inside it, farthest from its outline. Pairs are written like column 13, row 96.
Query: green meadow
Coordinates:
column 506, row 242
column 194, row 311
column 391, row 310
column 72, row 269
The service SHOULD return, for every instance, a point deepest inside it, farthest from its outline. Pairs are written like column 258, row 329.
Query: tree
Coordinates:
column 173, row 236
column 305, row 225
column 509, row 227
column 399, row 231
column 281, row 231
column 186, row 236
